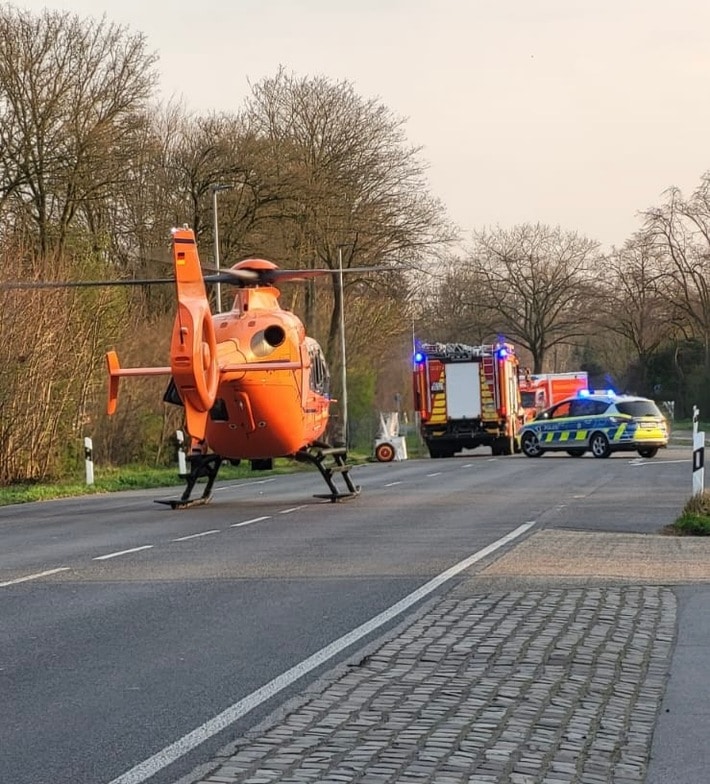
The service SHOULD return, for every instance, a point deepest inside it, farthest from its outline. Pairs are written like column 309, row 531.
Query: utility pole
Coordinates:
column 342, row 347
column 216, row 188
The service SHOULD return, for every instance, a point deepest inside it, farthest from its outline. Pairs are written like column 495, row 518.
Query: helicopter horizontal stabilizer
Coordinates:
column 116, row 372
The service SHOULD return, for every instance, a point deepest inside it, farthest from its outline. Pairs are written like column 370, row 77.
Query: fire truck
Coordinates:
column 467, row 396
column 540, row 391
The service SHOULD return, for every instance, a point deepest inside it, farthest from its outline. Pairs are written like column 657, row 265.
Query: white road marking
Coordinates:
column 34, row 576
column 292, row 509
column 227, row 486
column 249, row 522
column 639, row 461
column 122, row 552
column 144, row 770
column 196, row 536
column 392, row 484
column 438, row 473
column 467, row 465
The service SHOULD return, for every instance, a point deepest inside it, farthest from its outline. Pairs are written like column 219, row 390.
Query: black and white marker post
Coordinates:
column 89, row 460
column 182, row 458
column 698, row 455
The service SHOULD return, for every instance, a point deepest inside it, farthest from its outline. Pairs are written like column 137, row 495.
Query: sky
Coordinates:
column 571, row 113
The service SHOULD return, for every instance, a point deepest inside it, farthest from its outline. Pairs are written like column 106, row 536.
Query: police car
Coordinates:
column 598, row 423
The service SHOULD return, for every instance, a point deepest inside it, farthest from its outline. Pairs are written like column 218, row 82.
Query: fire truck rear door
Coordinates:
column 463, row 390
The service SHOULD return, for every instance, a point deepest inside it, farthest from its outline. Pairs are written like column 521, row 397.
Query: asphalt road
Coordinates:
column 125, row 626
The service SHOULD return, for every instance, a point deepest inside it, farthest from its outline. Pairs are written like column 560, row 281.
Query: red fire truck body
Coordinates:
column 468, row 396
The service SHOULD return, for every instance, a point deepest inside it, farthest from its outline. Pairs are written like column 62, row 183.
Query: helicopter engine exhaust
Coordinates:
column 274, row 335
column 265, row 341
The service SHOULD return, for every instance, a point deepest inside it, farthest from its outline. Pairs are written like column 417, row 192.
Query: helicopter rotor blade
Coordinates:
column 268, row 276
column 79, row 284
column 236, row 277
column 306, row 274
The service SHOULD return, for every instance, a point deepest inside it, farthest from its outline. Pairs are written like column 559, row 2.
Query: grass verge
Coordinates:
column 112, row 480
column 695, row 517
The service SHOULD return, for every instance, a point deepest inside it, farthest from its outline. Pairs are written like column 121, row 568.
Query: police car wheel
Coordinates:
column 599, row 444
column 649, row 451
column 530, row 445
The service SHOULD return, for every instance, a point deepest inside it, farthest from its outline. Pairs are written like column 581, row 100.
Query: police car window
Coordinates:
column 562, row 410
column 599, row 407
column 586, row 407
column 638, row 408
column 579, row 408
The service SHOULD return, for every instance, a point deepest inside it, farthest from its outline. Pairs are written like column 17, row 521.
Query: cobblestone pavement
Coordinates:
column 546, row 686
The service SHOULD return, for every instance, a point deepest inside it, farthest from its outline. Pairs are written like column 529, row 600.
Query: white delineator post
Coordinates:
column 89, row 460
column 698, row 455
column 182, row 460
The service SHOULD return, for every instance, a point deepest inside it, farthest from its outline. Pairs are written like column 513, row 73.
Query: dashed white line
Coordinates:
column 438, row 473
column 34, row 576
column 240, row 483
column 122, row 552
column 187, row 743
column 196, row 536
column 292, row 509
column 639, row 461
column 392, row 484
column 249, row 522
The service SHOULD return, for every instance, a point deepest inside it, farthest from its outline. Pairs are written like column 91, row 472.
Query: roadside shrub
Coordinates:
column 695, row 518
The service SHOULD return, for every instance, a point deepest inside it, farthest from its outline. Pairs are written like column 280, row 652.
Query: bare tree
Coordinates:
column 680, row 229
column 50, row 344
column 633, row 299
column 354, row 189
column 533, row 281
column 448, row 310
column 71, row 91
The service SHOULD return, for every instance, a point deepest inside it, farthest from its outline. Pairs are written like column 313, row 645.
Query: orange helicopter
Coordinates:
column 253, row 385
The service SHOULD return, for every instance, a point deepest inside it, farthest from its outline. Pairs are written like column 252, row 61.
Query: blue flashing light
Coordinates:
column 419, row 357
column 588, row 392
column 502, row 353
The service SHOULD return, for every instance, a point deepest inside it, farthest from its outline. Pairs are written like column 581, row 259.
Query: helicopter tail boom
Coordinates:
column 116, row 372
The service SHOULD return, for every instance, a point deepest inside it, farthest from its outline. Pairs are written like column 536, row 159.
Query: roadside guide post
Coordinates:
column 698, row 455
column 182, row 461
column 89, row 460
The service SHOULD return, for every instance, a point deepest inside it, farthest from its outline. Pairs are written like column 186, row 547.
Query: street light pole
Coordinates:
column 342, row 347
column 216, row 188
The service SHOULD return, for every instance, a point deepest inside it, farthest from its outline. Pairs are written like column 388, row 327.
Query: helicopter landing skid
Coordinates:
column 316, row 455
column 200, row 466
